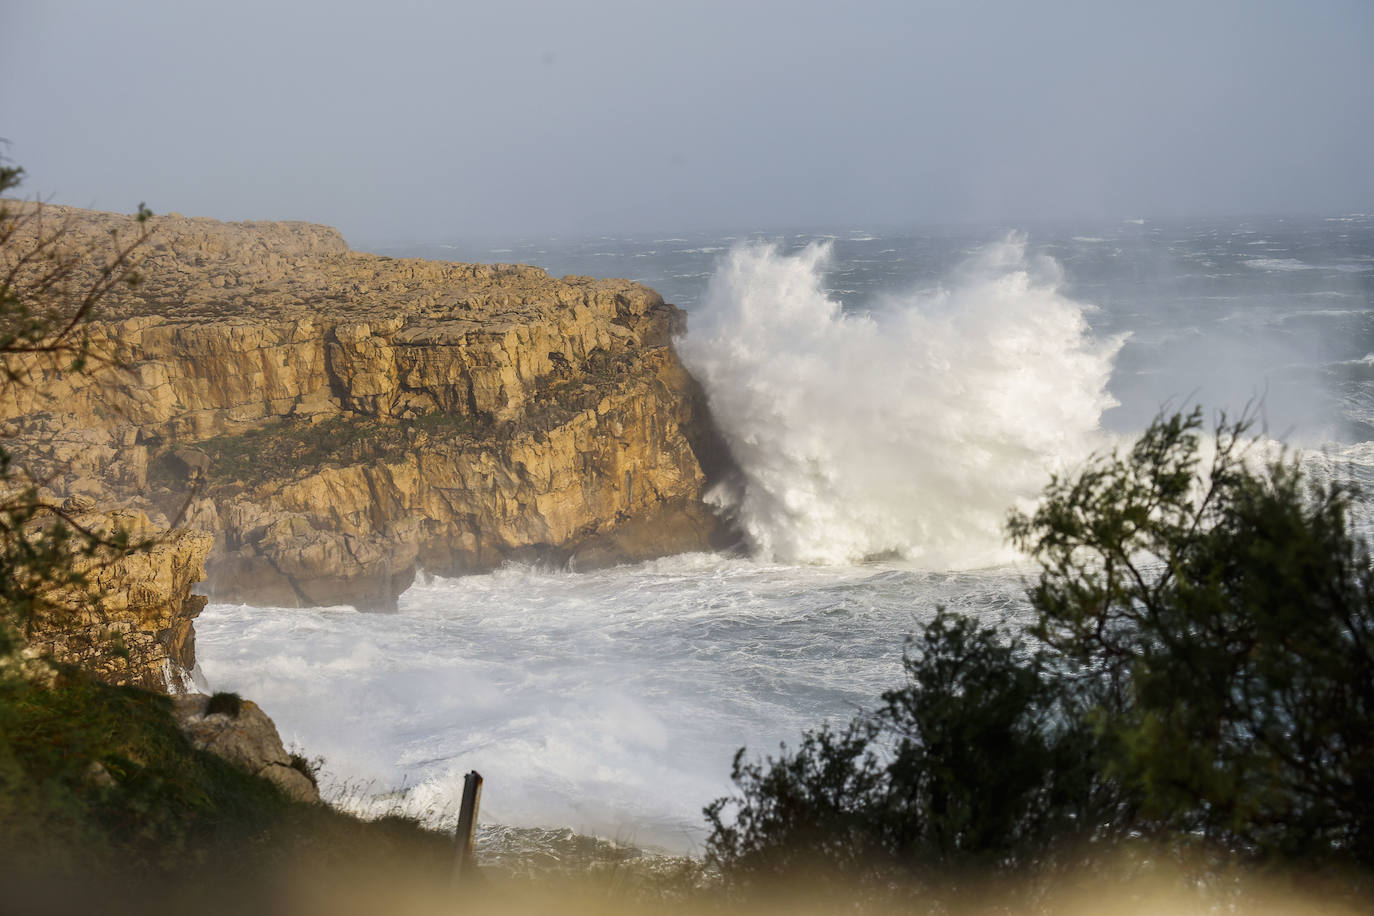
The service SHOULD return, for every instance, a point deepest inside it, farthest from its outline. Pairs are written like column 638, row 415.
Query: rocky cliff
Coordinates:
column 132, row 621
column 338, row 420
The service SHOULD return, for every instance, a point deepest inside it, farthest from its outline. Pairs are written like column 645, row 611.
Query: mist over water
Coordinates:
column 884, row 394
column 908, row 428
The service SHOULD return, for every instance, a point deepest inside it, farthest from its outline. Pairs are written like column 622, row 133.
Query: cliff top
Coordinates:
column 200, row 270
column 357, row 417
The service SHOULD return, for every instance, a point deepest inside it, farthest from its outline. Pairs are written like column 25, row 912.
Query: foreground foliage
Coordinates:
column 1229, row 629
column 1201, row 680
column 51, row 286
column 100, row 791
column 100, row 781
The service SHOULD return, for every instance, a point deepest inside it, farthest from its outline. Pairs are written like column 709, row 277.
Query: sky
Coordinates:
column 409, row 121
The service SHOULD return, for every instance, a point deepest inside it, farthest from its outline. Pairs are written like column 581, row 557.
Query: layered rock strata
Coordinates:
column 338, row 420
column 131, row 623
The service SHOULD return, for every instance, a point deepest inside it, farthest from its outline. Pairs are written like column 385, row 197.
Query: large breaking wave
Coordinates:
column 910, row 427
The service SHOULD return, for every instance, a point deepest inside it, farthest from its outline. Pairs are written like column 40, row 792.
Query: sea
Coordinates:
column 889, row 397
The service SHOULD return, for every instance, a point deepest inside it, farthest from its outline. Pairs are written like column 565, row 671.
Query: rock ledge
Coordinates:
column 345, row 419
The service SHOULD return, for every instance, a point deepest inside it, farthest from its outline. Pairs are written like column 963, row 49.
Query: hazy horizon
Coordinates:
column 414, row 122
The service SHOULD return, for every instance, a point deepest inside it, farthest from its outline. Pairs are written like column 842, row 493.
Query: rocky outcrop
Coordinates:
column 247, row 738
column 341, row 420
column 131, row 622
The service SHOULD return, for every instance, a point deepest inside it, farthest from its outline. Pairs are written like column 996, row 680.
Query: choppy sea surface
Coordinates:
column 886, row 394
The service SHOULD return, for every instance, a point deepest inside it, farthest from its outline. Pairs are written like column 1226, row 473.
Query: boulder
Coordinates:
column 248, row 739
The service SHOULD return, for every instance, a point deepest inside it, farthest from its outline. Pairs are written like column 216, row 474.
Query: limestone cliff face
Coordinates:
column 342, row 419
column 133, row 622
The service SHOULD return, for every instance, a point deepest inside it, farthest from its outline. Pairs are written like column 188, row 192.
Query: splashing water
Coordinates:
column 611, row 701
column 910, row 428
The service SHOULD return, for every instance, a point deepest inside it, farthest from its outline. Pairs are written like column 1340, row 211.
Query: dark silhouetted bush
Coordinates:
column 1201, row 676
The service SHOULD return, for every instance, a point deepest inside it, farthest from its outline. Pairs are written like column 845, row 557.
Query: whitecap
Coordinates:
column 1278, row 264
column 909, row 429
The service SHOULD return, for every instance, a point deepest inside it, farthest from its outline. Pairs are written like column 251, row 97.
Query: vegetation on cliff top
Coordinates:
column 286, row 448
column 282, row 448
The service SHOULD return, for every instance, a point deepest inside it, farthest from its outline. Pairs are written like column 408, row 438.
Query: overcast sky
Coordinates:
column 432, row 121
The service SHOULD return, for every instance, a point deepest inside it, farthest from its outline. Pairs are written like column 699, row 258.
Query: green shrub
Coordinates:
column 1226, row 612
column 225, row 704
column 1202, row 679
column 307, row 767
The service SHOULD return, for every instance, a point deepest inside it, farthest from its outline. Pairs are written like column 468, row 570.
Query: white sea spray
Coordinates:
column 909, row 428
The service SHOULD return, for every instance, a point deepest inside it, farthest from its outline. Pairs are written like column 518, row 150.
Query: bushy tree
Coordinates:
column 1201, row 673
column 1226, row 611
column 979, row 762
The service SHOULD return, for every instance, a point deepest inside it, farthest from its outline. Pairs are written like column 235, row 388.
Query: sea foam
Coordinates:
column 908, row 427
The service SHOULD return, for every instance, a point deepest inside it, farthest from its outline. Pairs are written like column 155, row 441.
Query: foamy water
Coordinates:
column 610, row 702
column 884, row 395
column 909, row 428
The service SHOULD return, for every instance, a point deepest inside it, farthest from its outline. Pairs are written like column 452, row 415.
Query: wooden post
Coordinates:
column 467, row 824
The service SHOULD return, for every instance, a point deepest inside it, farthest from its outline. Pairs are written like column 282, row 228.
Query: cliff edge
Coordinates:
column 131, row 621
column 340, row 420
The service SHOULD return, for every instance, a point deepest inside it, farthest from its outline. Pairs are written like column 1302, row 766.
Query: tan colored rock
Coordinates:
column 248, row 740
column 367, row 416
column 133, row 624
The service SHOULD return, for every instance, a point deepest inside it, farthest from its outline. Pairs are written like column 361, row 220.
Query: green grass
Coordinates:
column 95, row 776
column 279, row 448
column 98, row 780
column 447, row 425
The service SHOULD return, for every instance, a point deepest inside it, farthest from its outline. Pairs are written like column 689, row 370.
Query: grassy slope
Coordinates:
column 164, row 808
